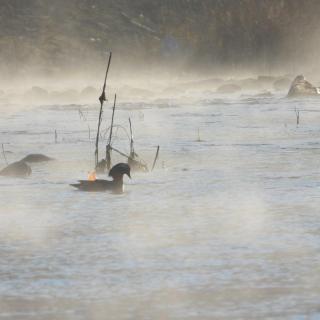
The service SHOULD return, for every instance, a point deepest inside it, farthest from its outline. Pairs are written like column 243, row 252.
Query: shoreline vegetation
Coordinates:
column 53, row 38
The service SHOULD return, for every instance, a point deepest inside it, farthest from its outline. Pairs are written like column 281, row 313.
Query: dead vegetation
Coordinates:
column 133, row 159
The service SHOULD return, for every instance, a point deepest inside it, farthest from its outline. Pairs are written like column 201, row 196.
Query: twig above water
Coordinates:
column 297, row 115
column 4, row 154
column 102, row 98
column 108, row 147
column 155, row 158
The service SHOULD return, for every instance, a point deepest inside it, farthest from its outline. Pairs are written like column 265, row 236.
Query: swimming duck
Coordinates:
column 116, row 185
column 35, row 157
column 17, row 169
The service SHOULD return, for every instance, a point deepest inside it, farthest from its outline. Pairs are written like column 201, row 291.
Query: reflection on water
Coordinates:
column 224, row 228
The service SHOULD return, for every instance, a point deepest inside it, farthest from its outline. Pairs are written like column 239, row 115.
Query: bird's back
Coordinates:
column 96, row 185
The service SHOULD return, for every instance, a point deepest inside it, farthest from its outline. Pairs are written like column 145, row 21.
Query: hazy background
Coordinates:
column 53, row 38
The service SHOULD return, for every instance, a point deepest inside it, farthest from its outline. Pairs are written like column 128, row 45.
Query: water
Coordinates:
column 224, row 228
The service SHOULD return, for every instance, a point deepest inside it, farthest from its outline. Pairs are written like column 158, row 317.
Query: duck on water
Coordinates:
column 116, row 185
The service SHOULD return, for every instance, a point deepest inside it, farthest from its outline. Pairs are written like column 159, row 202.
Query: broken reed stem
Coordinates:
column 80, row 114
column 121, row 153
column 96, row 152
column 131, row 139
column 112, row 118
column 108, row 147
column 199, row 138
column 156, row 158
column 102, row 98
column 117, row 126
column 55, row 136
column 4, row 154
column 297, row 116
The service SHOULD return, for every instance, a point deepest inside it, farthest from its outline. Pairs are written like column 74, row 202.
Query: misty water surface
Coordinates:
column 224, row 228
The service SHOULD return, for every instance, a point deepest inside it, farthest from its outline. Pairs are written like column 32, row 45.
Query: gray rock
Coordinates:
column 264, row 94
column 36, row 94
column 229, row 88
column 301, row 87
column 90, row 93
column 16, row 169
column 282, row 84
column 36, row 158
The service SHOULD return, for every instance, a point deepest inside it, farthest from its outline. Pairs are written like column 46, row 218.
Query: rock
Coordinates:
column 281, row 84
column 301, row 87
column 205, row 84
column 131, row 92
column 36, row 94
column 228, row 88
column 90, row 93
column 16, row 169
column 250, row 84
column 266, row 80
column 36, row 158
column 264, row 94
column 66, row 96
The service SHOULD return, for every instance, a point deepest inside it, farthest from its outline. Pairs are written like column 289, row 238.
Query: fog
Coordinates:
column 226, row 225
column 70, row 41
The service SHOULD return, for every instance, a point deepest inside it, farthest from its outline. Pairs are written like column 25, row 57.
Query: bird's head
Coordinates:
column 119, row 170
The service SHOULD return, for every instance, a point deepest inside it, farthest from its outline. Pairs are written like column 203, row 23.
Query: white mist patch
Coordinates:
column 246, row 216
column 25, row 225
column 230, row 224
column 28, row 215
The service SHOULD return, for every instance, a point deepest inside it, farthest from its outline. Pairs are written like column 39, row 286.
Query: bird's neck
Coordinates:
column 118, row 180
column 118, row 183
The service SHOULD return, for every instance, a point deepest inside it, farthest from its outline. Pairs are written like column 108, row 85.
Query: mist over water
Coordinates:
column 225, row 227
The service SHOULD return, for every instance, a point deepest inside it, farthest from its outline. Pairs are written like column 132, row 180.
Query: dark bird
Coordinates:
column 116, row 185
column 16, row 169
column 35, row 157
